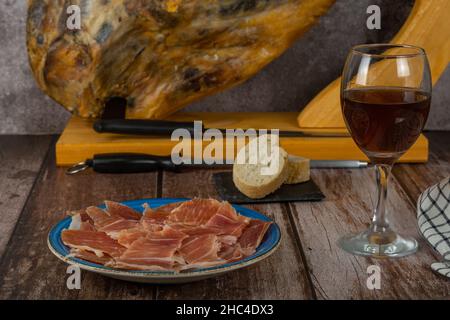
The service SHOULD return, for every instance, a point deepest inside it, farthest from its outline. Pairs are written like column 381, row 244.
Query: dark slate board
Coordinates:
column 307, row 191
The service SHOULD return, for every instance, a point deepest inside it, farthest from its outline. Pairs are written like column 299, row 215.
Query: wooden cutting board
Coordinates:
column 79, row 141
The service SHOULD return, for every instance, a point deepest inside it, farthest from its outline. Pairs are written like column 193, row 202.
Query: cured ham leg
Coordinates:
column 159, row 55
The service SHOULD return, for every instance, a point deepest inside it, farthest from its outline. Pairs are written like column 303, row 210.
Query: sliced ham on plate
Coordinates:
column 201, row 251
column 192, row 230
column 127, row 237
column 228, row 240
column 252, row 236
column 154, row 216
column 117, row 209
column 167, row 208
column 101, row 218
column 110, row 224
column 231, row 253
column 81, row 221
column 152, row 219
column 154, row 252
column 228, row 221
column 194, row 212
column 180, row 236
column 90, row 256
column 94, row 241
column 114, row 229
column 156, row 219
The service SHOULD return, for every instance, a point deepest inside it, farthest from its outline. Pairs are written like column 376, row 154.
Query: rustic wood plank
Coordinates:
column 415, row 178
column 281, row 276
column 350, row 195
column 21, row 158
column 28, row 269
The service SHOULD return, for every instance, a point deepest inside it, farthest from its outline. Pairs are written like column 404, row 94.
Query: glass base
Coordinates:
column 385, row 244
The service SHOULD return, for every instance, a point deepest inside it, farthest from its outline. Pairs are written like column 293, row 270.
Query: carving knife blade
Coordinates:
column 165, row 128
column 113, row 121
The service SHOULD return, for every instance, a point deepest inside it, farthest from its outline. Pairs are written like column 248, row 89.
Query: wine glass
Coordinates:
column 385, row 99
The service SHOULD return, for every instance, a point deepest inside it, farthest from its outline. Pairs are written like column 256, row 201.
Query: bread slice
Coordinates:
column 249, row 176
column 298, row 170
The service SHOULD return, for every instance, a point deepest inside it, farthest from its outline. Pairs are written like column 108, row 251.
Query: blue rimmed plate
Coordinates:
column 269, row 244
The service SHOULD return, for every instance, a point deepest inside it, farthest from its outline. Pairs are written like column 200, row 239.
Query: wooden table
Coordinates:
column 34, row 195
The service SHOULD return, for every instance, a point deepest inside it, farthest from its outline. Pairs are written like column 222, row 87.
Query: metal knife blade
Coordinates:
column 139, row 163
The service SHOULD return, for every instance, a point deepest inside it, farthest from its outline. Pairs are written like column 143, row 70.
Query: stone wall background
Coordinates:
column 285, row 85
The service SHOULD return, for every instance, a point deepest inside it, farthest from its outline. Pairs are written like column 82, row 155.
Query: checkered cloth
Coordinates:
column 433, row 214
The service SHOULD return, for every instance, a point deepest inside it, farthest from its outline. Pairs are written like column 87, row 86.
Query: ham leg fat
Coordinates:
column 180, row 236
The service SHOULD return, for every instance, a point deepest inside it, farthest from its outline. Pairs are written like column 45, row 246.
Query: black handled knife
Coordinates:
column 140, row 163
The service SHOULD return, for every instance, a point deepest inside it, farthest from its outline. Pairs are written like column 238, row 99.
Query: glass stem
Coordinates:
column 380, row 222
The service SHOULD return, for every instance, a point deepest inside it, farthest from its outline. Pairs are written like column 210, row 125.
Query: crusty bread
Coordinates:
column 249, row 178
column 298, row 170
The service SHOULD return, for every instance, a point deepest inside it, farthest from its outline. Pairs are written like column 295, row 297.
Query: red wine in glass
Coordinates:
column 385, row 121
column 385, row 99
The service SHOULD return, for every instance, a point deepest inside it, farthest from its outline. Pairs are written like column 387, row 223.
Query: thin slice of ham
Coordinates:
column 154, row 252
column 97, row 242
column 127, row 237
column 167, row 208
column 90, row 256
column 153, row 216
column 195, row 212
column 231, row 253
column 114, row 229
column 80, row 222
column 160, row 214
column 120, row 210
column 201, row 251
column 110, row 224
column 252, row 236
column 228, row 240
column 194, row 230
column 155, row 219
column 101, row 218
column 228, row 221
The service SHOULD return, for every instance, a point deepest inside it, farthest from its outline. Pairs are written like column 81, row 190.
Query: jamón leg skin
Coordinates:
column 158, row 54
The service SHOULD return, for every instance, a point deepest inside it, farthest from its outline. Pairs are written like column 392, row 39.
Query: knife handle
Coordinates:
column 141, row 127
column 130, row 163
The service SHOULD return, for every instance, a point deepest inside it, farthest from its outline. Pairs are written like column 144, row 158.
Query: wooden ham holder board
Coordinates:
column 80, row 142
